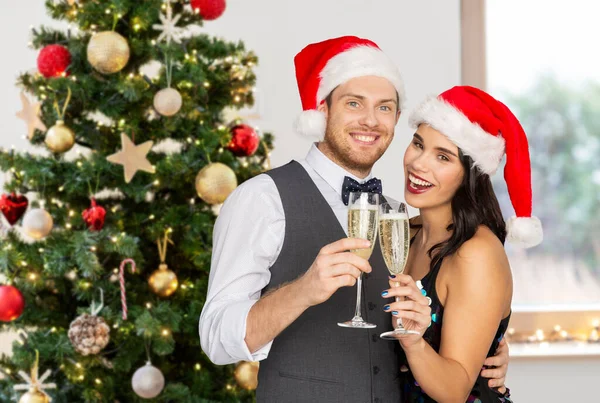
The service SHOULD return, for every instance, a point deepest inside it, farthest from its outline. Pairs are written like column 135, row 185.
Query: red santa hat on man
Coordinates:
column 486, row 130
column 320, row 67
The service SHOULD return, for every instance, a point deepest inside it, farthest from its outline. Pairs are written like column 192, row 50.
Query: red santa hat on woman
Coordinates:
column 320, row 67
column 486, row 130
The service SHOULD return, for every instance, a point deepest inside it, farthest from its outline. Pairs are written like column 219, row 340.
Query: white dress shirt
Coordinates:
column 247, row 239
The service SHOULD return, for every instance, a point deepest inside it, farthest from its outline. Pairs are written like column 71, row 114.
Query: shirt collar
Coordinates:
column 331, row 172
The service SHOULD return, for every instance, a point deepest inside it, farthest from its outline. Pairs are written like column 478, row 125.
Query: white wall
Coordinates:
column 421, row 36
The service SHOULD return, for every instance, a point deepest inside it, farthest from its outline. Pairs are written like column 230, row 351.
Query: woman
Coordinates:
column 457, row 252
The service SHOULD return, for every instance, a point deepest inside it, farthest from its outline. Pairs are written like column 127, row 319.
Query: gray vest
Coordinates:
column 315, row 360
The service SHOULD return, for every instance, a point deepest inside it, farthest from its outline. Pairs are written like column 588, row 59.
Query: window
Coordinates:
column 539, row 58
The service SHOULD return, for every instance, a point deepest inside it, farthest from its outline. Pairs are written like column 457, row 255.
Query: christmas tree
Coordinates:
column 106, row 239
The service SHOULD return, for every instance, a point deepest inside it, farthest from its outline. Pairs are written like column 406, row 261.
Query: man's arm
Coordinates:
column 496, row 367
column 333, row 268
column 239, row 268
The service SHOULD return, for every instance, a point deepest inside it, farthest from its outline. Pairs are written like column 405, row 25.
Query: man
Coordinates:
column 281, row 277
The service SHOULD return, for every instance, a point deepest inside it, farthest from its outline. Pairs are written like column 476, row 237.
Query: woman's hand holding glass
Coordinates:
column 411, row 306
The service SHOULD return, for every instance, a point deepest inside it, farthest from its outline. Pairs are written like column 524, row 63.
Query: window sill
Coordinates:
column 554, row 349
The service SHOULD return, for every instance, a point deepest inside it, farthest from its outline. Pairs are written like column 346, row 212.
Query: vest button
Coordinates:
column 372, row 306
column 376, row 370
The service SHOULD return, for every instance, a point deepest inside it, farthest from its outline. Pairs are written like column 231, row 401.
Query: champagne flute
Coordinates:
column 394, row 238
column 362, row 223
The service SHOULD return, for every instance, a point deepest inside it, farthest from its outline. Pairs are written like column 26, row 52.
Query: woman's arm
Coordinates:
column 479, row 290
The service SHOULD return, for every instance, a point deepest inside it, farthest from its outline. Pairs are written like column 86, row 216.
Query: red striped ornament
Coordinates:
column 122, row 281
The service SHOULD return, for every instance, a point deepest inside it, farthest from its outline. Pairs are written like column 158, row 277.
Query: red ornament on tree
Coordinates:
column 209, row 9
column 12, row 303
column 53, row 61
column 94, row 216
column 244, row 141
column 13, row 207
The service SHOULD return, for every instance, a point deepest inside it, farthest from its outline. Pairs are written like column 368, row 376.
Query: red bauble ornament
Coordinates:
column 209, row 9
column 244, row 141
column 53, row 61
column 13, row 207
column 94, row 216
column 12, row 303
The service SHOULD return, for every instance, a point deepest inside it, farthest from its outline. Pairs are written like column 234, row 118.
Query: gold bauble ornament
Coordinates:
column 246, row 375
column 35, row 384
column 108, row 52
column 167, row 101
column 34, row 396
column 163, row 282
column 60, row 138
column 215, row 182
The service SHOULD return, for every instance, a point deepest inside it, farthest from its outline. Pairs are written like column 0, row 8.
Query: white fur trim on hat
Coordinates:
column 485, row 148
column 524, row 231
column 360, row 61
column 311, row 123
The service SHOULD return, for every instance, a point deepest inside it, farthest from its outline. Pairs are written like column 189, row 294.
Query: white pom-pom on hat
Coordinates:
column 311, row 123
column 524, row 231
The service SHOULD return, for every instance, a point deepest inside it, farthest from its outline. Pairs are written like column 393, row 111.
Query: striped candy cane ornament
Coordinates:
column 122, row 281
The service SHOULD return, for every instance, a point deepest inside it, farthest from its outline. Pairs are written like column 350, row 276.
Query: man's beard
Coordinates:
column 343, row 152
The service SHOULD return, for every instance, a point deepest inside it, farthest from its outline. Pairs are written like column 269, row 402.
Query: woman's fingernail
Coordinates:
column 393, row 276
column 367, row 244
column 386, row 308
column 384, row 294
column 394, row 312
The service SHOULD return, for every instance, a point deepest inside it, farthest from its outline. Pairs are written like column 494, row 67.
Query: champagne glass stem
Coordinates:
column 357, row 313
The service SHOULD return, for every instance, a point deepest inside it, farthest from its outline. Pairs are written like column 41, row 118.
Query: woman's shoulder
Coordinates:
column 484, row 253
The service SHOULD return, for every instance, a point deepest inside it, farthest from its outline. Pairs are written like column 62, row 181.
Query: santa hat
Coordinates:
column 486, row 130
column 320, row 67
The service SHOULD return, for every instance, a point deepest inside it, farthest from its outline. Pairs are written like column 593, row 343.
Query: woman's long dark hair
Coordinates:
column 474, row 204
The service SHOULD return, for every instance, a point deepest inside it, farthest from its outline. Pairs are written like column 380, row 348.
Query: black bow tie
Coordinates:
column 350, row 185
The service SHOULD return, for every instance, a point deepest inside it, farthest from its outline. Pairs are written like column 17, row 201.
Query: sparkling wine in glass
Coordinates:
column 394, row 238
column 362, row 223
